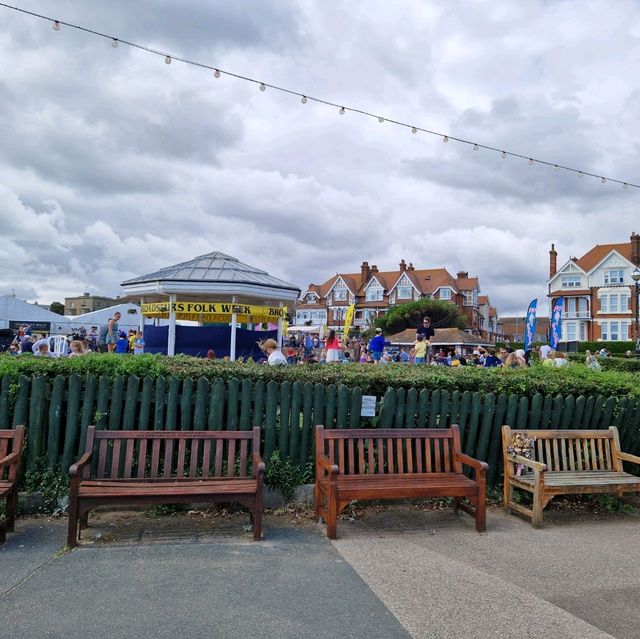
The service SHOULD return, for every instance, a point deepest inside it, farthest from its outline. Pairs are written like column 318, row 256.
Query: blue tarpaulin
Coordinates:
column 197, row 340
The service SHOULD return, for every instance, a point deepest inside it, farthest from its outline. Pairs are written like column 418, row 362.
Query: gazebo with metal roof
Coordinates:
column 212, row 288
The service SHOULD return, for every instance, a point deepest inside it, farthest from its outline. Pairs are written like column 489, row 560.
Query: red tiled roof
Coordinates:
column 467, row 283
column 593, row 257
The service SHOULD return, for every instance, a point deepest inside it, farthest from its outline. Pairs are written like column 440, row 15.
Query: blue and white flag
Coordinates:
column 530, row 325
column 556, row 323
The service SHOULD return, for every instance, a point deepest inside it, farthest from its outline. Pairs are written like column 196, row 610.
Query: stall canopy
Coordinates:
column 15, row 312
column 212, row 288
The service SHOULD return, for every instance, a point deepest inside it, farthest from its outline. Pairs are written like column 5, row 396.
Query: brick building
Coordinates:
column 598, row 291
column 373, row 291
column 86, row 303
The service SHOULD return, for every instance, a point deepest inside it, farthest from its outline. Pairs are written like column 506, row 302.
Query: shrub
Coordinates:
column 285, row 475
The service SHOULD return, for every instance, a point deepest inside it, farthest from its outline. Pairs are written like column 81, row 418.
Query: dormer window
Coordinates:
column 339, row 292
column 614, row 276
column 445, row 293
column 570, row 281
column 374, row 292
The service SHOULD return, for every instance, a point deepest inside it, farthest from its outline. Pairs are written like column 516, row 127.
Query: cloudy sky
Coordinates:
column 113, row 164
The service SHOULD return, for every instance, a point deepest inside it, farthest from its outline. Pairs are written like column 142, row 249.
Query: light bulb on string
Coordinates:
column 342, row 111
column 556, row 168
column 475, row 147
column 56, row 25
column 413, row 129
column 114, row 43
column 167, row 60
column 445, row 139
column 262, row 87
column 530, row 162
column 603, row 179
column 625, row 186
column 580, row 174
column 504, row 155
column 216, row 73
column 304, row 99
column 380, row 119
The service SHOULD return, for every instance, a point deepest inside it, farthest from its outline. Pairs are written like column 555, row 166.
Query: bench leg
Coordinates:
column 537, row 507
column 72, row 532
column 507, row 494
column 456, row 505
column 316, row 500
column 84, row 520
column 257, row 524
column 11, row 507
column 332, row 517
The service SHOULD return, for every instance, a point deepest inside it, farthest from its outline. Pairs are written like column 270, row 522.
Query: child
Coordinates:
column 122, row 343
column 419, row 350
column 138, row 343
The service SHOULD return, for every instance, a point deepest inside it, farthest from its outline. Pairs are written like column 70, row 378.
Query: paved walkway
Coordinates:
column 397, row 572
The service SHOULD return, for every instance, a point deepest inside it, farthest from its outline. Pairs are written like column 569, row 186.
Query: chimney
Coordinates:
column 462, row 275
column 411, row 267
column 403, row 265
column 635, row 248
column 374, row 268
column 364, row 273
column 553, row 261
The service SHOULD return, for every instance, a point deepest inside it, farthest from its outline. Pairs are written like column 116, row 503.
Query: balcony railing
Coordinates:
column 577, row 315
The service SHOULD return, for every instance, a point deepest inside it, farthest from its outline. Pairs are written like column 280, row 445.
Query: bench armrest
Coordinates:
column 628, row 457
column 476, row 464
column 258, row 466
column 9, row 459
column 529, row 463
column 76, row 469
column 322, row 461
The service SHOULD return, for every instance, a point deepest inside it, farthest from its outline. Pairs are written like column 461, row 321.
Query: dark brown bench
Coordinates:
column 166, row 467
column 11, row 443
column 394, row 464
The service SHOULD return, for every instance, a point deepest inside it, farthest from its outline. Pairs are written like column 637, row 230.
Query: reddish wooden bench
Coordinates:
column 11, row 443
column 394, row 464
column 166, row 467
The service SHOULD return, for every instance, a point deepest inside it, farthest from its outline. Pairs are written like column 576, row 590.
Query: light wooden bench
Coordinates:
column 397, row 463
column 123, row 467
column 11, row 443
column 566, row 462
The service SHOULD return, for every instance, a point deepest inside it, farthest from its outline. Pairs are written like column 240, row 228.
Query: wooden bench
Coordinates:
column 394, row 464
column 166, row 467
column 566, row 462
column 11, row 443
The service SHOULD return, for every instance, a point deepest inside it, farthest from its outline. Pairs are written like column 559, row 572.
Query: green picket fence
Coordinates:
column 58, row 412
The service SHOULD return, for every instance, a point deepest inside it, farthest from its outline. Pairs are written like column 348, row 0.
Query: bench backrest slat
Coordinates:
column 571, row 450
column 391, row 451
column 179, row 455
column 11, row 441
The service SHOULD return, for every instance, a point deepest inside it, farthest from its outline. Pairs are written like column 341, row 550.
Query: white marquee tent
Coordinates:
column 14, row 311
column 131, row 318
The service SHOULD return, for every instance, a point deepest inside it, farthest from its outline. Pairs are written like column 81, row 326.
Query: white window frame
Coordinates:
column 570, row 281
column 468, row 298
column 610, row 278
column 448, row 295
column 404, row 292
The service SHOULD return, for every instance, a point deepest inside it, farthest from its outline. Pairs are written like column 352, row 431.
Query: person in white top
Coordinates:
column 545, row 349
column 275, row 356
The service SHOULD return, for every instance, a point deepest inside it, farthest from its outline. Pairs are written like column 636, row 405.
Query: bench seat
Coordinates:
column 195, row 488
column 5, row 488
column 136, row 467
column 566, row 462
column 395, row 463
column 11, row 444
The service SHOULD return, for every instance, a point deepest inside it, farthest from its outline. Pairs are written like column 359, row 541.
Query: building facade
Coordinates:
column 599, row 301
column 373, row 291
column 86, row 303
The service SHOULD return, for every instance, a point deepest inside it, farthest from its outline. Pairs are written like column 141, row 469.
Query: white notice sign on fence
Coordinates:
column 368, row 406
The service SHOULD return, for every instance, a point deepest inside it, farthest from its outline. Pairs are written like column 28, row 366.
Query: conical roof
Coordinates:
column 213, row 267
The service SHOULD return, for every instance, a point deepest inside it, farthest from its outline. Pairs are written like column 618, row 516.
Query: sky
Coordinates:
column 114, row 164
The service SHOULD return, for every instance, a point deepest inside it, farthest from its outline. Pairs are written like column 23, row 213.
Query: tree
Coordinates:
column 409, row 315
column 57, row 307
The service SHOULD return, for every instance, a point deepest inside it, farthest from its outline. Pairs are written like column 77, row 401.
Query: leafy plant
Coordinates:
column 410, row 314
column 52, row 484
column 286, row 476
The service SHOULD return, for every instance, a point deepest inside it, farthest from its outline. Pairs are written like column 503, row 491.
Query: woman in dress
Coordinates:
column 332, row 346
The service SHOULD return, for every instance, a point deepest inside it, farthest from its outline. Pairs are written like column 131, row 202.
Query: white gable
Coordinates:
column 373, row 282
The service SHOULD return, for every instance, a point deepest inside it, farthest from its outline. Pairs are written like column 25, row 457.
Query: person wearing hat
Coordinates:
column 122, row 343
column 376, row 346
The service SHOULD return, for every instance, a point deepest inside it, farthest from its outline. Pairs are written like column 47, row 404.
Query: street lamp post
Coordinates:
column 636, row 278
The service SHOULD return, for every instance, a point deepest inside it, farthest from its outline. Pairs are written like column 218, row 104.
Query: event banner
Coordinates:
column 530, row 325
column 555, row 332
column 215, row 311
column 348, row 320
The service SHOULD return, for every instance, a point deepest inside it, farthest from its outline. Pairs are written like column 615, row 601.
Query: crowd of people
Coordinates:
column 109, row 338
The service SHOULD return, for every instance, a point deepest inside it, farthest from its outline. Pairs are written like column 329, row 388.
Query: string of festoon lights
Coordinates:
column 341, row 108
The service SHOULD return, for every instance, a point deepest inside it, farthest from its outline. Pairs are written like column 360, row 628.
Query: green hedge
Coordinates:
column 575, row 379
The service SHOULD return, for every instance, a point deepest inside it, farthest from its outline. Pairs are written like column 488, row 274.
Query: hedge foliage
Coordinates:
column 574, row 379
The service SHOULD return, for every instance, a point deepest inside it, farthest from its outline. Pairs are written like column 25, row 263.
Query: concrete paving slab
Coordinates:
column 292, row 584
column 577, row 577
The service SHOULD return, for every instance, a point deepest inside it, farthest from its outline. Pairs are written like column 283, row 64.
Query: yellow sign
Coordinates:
column 215, row 311
column 348, row 319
